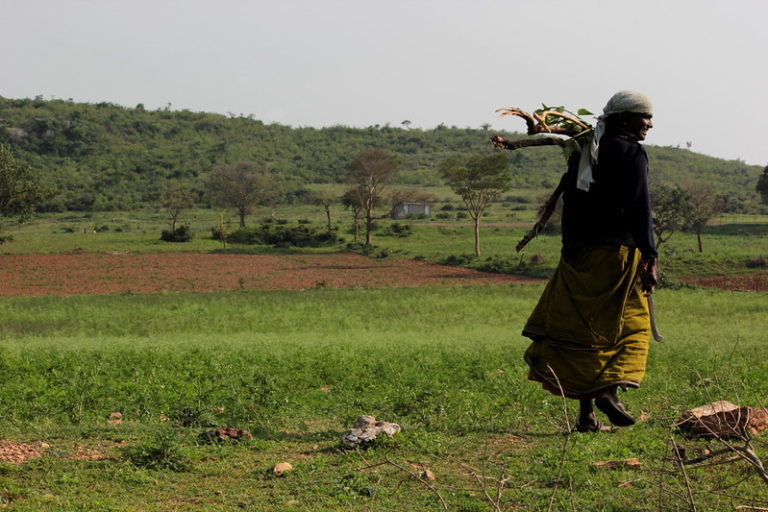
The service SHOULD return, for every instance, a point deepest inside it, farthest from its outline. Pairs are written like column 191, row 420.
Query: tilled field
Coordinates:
column 73, row 274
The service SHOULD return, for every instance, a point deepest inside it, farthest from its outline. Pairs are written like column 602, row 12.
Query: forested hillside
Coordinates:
column 105, row 156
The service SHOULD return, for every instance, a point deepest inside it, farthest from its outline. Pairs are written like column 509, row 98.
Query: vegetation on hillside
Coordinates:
column 108, row 157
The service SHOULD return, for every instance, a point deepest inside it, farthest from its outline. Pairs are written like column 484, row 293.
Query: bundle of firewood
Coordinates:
column 548, row 126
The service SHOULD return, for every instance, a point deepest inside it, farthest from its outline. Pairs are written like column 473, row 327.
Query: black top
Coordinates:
column 617, row 208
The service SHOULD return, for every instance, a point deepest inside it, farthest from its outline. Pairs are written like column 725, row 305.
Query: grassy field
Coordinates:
column 296, row 368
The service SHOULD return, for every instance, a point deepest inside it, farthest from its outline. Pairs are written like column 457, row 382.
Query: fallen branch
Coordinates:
column 388, row 462
column 679, row 460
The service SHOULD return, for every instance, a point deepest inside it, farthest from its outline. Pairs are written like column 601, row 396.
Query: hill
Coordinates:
column 109, row 157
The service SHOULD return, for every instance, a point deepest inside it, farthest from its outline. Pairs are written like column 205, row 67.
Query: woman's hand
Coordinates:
column 649, row 274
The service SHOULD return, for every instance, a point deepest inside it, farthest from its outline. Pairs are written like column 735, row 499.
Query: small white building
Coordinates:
column 405, row 210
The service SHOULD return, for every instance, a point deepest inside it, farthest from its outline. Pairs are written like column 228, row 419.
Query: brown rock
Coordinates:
column 115, row 415
column 281, row 468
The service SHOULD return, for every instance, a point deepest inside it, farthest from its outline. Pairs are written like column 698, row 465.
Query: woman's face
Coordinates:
column 639, row 124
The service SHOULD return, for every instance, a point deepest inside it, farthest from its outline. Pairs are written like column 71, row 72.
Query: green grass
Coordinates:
column 296, row 368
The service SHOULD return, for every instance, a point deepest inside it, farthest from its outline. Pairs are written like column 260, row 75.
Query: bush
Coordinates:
column 161, row 452
column 457, row 260
column 399, row 230
column 180, row 234
column 281, row 236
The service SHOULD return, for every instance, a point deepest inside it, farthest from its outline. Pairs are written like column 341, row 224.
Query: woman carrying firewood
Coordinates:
column 591, row 327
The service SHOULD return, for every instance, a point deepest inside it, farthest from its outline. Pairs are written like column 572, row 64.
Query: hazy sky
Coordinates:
column 360, row 63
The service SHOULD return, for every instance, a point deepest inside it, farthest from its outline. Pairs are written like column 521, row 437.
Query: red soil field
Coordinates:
column 93, row 274
column 757, row 282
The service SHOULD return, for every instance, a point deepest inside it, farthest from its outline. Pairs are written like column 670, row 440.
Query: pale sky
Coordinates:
column 359, row 63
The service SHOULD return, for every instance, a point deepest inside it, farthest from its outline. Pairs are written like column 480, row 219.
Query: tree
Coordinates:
column 350, row 202
column 20, row 189
column 243, row 185
column 176, row 197
column 325, row 200
column 671, row 210
column 369, row 172
column 704, row 204
column 477, row 180
column 762, row 185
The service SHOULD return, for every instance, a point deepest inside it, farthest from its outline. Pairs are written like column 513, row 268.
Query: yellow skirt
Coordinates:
column 591, row 327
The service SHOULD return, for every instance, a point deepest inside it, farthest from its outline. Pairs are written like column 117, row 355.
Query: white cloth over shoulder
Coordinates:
column 622, row 101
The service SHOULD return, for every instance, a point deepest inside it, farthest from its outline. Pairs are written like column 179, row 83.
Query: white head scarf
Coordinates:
column 622, row 101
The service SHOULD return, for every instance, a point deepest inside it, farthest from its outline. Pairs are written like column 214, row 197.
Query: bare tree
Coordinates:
column 243, row 185
column 326, row 201
column 350, row 202
column 176, row 197
column 477, row 180
column 369, row 172
column 704, row 204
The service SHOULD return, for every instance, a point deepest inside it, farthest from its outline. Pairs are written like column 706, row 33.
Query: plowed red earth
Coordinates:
column 73, row 274
column 757, row 282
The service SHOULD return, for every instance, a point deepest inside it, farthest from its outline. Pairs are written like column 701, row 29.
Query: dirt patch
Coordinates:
column 756, row 282
column 18, row 453
column 74, row 274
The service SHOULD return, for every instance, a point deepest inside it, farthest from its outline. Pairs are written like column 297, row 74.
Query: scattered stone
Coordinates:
column 366, row 429
column 222, row 434
column 281, row 468
column 631, row 463
column 723, row 419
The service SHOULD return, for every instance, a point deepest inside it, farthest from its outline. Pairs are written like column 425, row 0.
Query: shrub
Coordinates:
column 282, row 236
column 180, row 234
column 399, row 230
column 163, row 451
column 243, row 236
column 457, row 260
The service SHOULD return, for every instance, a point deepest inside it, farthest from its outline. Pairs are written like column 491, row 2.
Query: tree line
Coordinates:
column 109, row 157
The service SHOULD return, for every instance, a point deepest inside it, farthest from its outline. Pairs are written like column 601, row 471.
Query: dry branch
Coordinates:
column 413, row 475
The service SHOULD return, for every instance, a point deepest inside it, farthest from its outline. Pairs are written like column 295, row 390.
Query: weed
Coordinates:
column 162, row 451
